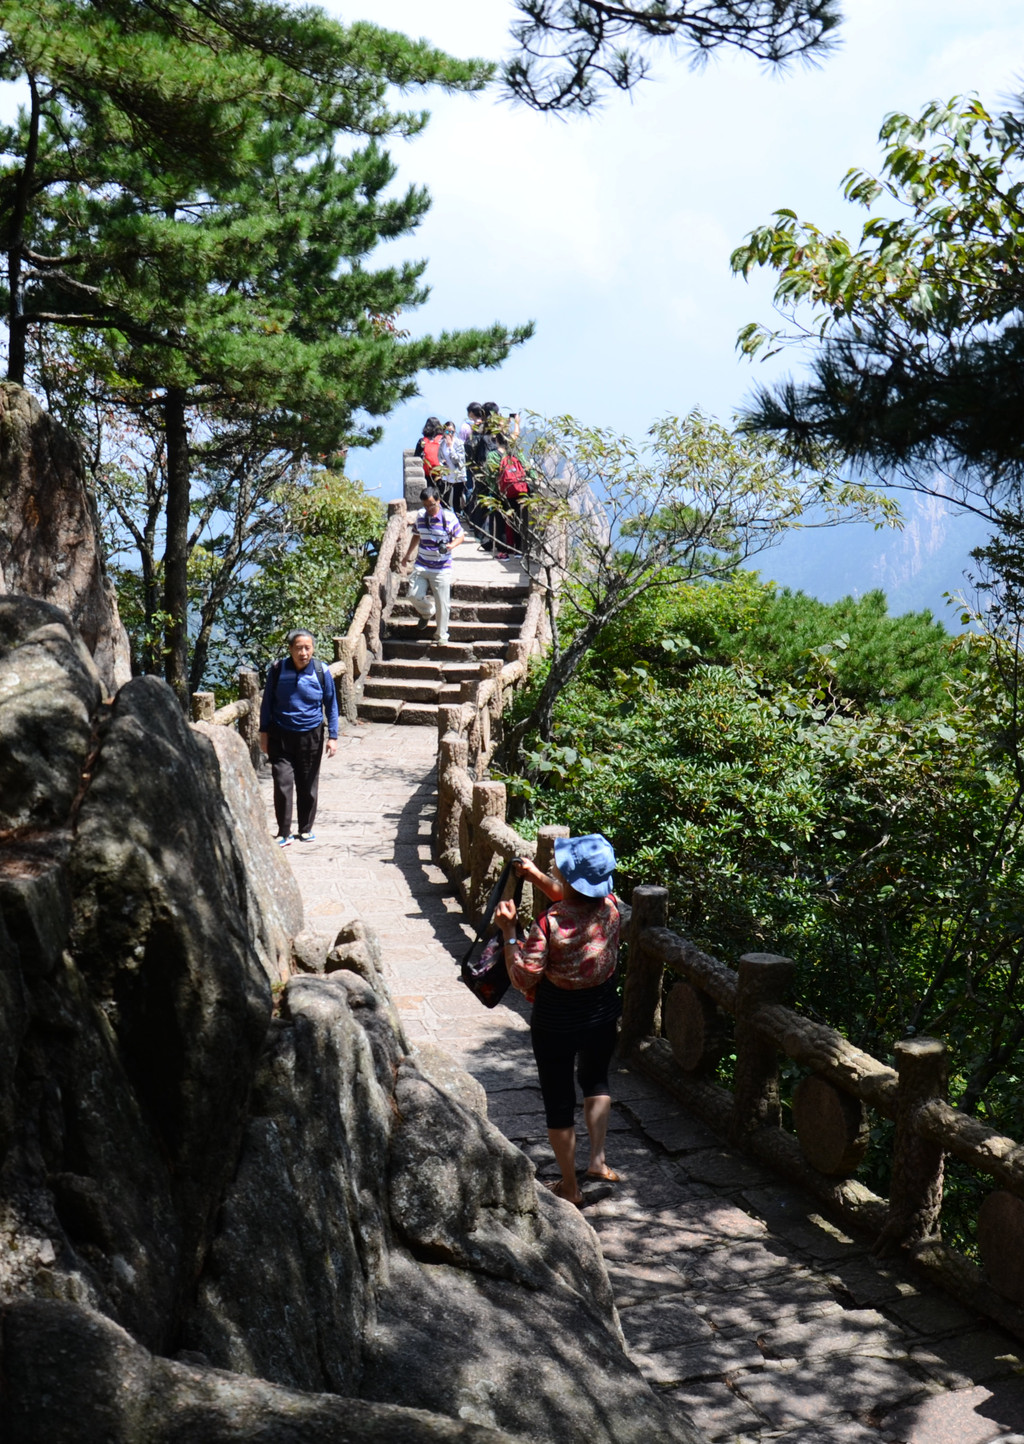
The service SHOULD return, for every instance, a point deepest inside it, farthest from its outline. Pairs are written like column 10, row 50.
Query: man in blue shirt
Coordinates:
column 436, row 534
column 298, row 693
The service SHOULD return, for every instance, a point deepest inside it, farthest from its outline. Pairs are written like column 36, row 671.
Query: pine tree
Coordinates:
column 174, row 188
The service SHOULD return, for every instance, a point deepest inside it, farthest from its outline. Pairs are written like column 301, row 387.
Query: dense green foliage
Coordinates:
column 692, row 501
column 311, row 576
column 896, row 663
column 883, row 852
column 914, row 331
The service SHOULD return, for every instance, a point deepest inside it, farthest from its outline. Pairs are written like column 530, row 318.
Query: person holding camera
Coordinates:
column 436, row 533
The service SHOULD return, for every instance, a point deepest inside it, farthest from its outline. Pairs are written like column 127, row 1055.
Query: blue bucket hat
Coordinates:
column 586, row 863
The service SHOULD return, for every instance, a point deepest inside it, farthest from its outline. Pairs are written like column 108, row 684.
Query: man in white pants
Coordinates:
column 436, row 534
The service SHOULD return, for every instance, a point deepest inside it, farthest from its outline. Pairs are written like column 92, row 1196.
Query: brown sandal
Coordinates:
column 608, row 1176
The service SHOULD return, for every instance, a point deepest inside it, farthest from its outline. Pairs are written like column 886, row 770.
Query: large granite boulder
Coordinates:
column 70, row 1376
column 162, row 934
column 49, row 536
column 381, row 1238
column 320, row 1225
column 132, row 1002
column 303, row 1237
column 266, row 882
column 49, row 693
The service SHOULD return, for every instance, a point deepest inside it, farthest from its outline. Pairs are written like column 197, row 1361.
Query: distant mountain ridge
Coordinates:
column 914, row 566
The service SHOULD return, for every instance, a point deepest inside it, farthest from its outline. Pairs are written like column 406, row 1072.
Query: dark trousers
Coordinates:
column 295, row 762
column 557, row 1052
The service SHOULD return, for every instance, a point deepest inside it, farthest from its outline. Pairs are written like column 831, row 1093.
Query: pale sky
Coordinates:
column 613, row 232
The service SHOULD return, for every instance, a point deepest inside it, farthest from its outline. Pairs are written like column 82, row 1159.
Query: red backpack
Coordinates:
column 431, row 459
column 512, row 482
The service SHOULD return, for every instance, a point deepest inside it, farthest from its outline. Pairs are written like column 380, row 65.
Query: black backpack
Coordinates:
column 479, row 447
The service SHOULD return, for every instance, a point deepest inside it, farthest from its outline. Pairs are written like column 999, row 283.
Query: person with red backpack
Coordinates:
column 428, row 448
column 513, row 488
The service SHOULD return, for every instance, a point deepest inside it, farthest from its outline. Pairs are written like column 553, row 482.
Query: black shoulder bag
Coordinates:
column 483, row 968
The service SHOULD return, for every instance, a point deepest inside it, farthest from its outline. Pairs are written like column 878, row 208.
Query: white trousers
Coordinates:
column 439, row 587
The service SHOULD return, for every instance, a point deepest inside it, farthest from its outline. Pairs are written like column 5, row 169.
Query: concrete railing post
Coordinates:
column 204, row 704
column 641, row 1001
column 373, row 625
column 453, row 752
column 344, row 652
column 488, row 801
column 545, row 860
column 491, row 671
column 762, row 978
column 249, row 725
column 915, row 1193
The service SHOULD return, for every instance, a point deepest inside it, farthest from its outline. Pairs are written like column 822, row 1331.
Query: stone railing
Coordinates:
column 473, row 838
column 676, row 1035
column 353, row 652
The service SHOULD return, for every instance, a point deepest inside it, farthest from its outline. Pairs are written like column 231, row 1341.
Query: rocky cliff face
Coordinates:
column 48, row 533
column 225, row 1215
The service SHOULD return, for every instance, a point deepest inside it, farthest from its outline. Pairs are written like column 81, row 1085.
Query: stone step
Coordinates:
column 412, row 669
column 376, row 689
column 399, row 648
column 485, row 592
column 424, row 670
column 387, row 710
column 407, row 714
column 418, row 714
column 407, row 629
column 511, row 613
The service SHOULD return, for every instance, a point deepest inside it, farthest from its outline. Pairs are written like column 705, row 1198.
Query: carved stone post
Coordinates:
column 249, row 725
column 449, row 719
column 344, row 652
column 641, row 1003
column 915, row 1194
column 763, row 978
column 467, row 693
column 545, row 860
column 204, row 704
column 373, row 625
column 491, row 671
column 488, row 801
column 452, row 753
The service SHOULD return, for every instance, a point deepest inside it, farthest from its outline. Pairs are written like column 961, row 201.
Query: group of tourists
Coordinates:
column 478, row 472
column 566, row 964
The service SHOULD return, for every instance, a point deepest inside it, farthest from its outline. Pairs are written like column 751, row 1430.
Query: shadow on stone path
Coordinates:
column 737, row 1297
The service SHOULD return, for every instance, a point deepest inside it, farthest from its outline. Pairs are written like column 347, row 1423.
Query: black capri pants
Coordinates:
column 573, row 1030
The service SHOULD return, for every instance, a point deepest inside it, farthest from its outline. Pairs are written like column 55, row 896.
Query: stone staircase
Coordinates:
column 417, row 675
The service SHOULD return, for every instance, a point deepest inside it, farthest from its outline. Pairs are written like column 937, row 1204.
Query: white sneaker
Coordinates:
column 441, row 639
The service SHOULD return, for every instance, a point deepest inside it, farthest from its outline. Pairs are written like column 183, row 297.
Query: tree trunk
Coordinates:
column 16, row 325
column 176, row 553
column 560, row 675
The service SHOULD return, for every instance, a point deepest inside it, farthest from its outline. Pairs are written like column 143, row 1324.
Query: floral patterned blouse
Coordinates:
column 574, row 945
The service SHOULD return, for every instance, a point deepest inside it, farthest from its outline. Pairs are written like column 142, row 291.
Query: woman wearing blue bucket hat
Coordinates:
column 567, row 967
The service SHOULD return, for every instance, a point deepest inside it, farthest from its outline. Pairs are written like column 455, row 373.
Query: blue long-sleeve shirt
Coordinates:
column 297, row 704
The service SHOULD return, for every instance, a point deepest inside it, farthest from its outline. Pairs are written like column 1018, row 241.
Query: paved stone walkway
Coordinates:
column 762, row 1319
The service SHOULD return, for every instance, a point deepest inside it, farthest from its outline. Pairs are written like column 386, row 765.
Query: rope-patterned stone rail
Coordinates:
column 830, row 1112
